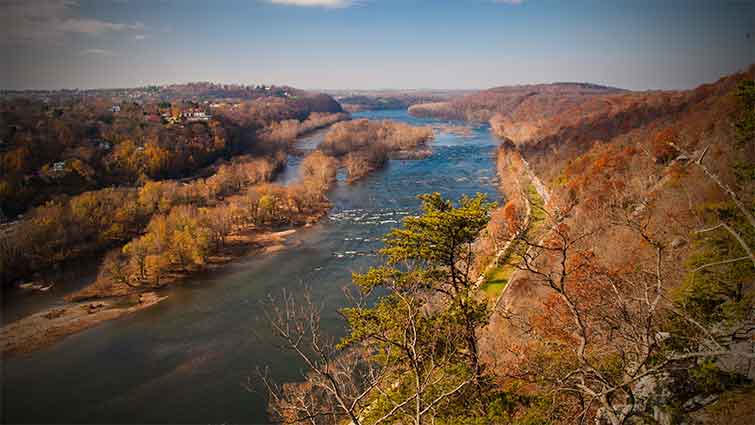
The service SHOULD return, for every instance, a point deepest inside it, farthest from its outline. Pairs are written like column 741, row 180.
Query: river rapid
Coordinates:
column 189, row 358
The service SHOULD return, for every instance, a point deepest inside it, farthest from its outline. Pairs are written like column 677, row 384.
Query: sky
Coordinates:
column 373, row 44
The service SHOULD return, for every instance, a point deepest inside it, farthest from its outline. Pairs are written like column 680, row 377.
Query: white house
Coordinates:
column 195, row 115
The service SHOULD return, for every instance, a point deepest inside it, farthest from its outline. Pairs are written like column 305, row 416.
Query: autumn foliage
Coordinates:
column 661, row 147
column 640, row 278
column 91, row 173
column 67, row 145
column 365, row 145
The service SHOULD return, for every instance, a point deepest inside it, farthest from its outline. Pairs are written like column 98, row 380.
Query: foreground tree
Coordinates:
column 437, row 247
column 411, row 355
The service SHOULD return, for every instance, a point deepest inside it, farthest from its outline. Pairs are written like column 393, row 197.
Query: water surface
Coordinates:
column 187, row 360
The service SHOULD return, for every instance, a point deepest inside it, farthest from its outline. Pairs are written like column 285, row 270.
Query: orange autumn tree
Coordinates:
column 661, row 146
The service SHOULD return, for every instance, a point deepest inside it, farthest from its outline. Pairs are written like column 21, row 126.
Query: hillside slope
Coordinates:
column 63, row 143
column 524, row 102
column 641, row 187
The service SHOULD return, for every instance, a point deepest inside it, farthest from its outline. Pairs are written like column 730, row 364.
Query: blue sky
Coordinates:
column 370, row 44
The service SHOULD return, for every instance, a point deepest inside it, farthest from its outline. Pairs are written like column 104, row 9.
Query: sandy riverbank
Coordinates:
column 103, row 301
column 50, row 326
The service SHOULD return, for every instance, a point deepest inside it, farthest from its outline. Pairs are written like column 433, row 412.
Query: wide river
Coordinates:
column 188, row 359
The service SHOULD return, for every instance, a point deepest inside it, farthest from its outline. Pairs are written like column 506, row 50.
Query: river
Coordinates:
column 187, row 360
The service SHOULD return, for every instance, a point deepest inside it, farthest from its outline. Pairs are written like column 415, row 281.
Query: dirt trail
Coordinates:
column 519, row 297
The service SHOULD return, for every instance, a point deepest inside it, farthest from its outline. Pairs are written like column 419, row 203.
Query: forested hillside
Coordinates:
column 614, row 286
column 64, row 145
column 525, row 102
column 646, row 266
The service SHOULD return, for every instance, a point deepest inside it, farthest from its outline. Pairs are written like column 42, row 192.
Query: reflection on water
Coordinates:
column 187, row 359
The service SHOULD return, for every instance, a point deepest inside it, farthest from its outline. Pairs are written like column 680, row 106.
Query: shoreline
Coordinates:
column 99, row 301
column 96, row 304
column 102, row 300
column 46, row 328
column 242, row 243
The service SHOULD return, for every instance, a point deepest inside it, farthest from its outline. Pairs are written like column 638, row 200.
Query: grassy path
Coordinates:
column 496, row 278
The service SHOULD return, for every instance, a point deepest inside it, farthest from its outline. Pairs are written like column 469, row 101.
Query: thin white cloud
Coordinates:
column 94, row 26
column 315, row 3
column 511, row 2
column 97, row 52
column 49, row 21
column 140, row 37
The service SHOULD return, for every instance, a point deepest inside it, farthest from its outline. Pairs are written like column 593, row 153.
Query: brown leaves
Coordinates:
column 661, row 148
column 363, row 134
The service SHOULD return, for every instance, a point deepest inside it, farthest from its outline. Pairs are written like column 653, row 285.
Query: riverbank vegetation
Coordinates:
column 156, row 235
column 185, row 231
column 364, row 145
column 172, row 229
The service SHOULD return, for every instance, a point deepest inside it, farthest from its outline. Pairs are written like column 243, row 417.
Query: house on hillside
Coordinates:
column 195, row 115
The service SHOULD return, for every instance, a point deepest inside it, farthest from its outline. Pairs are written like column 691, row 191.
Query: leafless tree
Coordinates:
column 602, row 315
column 387, row 376
column 336, row 382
